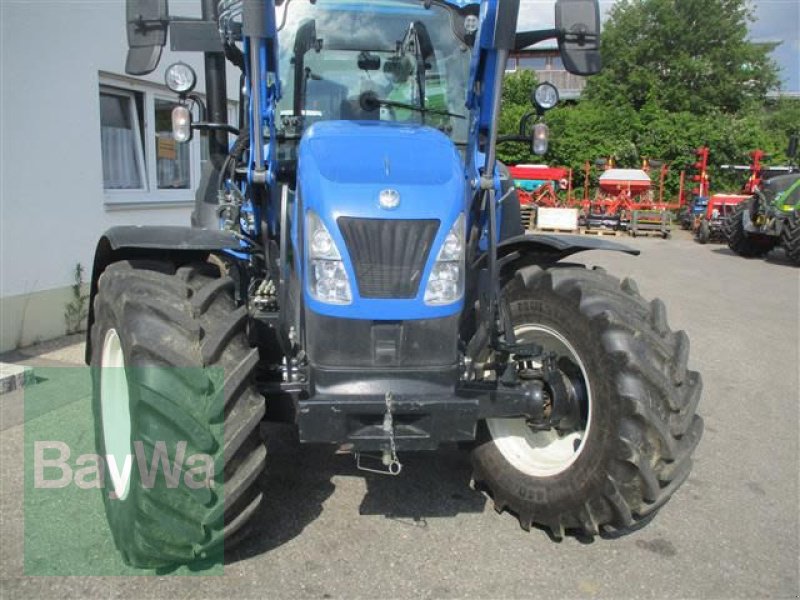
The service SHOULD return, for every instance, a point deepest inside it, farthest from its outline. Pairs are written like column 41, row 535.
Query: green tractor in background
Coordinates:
column 769, row 219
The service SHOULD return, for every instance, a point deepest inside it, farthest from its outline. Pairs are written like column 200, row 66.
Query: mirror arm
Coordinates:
column 504, row 139
column 525, row 39
column 143, row 25
column 203, row 126
column 198, row 101
column 523, row 122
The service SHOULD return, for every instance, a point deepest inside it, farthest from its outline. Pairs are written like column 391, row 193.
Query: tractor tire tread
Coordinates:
column 790, row 237
column 178, row 318
column 747, row 246
column 657, row 396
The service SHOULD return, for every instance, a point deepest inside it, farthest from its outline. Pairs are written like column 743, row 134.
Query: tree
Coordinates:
column 678, row 74
column 782, row 120
column 683, row 55
column 517, row 89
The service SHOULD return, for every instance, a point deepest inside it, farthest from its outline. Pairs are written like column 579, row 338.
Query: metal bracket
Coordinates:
column 194, row 35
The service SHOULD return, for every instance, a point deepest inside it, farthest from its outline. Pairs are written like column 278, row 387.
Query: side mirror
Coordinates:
column 578, row 25
column 306, row 38
column 147, row 24
column 368, row 61
column 424, row 39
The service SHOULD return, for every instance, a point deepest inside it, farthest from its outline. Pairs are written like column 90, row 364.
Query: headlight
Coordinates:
column 327, row 278
column 181, row 124
column 541, row 139
column 545, row 96
column 180, row 78
column 446, row 282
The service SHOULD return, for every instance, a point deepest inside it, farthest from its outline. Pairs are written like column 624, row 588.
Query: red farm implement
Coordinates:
column 538, row 186
column 625, row 197
column 757, row 171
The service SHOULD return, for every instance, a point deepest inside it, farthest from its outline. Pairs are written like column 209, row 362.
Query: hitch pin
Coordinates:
column 391, row 463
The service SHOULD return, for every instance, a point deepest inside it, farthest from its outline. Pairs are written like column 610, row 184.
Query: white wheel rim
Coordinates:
column 542, row 453
column 115, row 407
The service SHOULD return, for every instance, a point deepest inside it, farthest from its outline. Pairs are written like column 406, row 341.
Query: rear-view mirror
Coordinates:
column 578, row 25
column 368, row 61
column 147, row 24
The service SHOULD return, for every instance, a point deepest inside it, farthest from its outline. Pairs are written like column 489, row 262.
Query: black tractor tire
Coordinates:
column 638, row 449
column 790, row 237
column 189, row 372
column 740, row 241
column 703, row 232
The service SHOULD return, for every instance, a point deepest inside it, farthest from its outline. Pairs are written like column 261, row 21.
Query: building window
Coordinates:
column 142, row 162
column 172, row 159
column 121, row 140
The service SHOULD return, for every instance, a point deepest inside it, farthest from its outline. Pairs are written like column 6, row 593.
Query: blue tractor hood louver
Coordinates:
column 344, row 165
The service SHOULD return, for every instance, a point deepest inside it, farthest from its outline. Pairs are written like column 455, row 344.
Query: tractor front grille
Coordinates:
column 388, row 255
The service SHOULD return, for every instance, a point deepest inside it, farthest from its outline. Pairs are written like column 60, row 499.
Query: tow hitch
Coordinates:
column 390, row 463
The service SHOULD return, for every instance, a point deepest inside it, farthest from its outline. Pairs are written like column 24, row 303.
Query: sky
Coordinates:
column 776, row 20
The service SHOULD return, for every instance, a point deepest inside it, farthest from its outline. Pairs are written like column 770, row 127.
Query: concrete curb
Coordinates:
column 14, row 377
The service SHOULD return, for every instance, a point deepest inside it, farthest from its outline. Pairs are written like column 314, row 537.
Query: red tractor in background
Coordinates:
column 709, row 226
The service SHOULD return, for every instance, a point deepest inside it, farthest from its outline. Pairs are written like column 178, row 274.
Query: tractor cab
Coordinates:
column 783, row 191
column 388, row 62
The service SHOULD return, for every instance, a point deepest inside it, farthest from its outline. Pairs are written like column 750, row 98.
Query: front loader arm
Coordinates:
column 495, row 39
column 260, row 40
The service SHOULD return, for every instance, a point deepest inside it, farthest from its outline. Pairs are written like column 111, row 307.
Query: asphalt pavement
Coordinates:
column 327, row 530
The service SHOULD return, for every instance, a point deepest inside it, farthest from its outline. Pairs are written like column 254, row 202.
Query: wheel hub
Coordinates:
column 547, row 451
column 115, row 408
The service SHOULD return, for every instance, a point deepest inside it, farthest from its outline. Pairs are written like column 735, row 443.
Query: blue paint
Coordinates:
column 344, row 165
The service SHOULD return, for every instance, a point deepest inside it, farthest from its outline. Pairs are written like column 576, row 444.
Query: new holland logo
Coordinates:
column 389, row 199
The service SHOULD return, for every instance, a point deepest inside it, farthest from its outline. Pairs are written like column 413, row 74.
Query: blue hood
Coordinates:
column 344, row 165
column 343, row 168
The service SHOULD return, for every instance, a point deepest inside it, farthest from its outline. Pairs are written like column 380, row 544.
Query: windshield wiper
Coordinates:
column 369, row 101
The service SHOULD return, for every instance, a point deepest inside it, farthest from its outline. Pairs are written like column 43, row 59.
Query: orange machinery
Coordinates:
column 538, row 185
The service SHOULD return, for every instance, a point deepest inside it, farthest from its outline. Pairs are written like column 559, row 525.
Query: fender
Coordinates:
column 547, row 249
column 130, row 242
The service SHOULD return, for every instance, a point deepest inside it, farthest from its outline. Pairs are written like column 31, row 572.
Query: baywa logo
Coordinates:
column 93, row 484
column 54, row 470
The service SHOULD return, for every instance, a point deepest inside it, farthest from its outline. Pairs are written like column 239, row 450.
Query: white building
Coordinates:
column 84, row 148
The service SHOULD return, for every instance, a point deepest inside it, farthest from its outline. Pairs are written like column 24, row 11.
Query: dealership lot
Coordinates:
column 327, row 530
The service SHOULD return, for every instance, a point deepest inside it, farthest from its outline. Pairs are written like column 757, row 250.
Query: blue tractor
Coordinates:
column 356, row 267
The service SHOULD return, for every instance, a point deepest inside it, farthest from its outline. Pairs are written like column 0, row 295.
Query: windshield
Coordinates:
column 776, row 185
column 386, row 60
